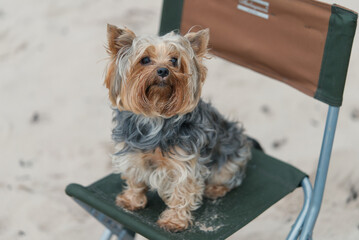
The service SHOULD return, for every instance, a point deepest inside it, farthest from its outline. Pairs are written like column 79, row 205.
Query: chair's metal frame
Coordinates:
column 113, row 228
column 302, row 229
column 298, row 225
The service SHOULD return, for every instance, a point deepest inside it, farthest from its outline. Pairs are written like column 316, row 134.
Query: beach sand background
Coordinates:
column 55, row 121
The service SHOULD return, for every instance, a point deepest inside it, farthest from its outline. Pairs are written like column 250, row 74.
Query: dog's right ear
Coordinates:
column 118, row 39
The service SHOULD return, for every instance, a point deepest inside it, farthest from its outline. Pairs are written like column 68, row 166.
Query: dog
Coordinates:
column 167, row 138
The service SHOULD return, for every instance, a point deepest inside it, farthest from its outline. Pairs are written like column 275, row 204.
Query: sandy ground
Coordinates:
column 55, row 121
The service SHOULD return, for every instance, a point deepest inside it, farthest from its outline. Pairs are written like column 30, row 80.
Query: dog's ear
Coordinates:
column 110, row 82
column 118, row 38
column 199, row 42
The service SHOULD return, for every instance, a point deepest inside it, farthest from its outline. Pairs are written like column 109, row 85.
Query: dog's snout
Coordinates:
column 162, row 72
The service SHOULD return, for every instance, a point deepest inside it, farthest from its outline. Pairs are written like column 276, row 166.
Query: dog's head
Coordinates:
column 155, row 76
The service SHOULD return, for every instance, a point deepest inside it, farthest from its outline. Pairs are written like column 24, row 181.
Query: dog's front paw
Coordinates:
column 131, row 200
column 174, row 220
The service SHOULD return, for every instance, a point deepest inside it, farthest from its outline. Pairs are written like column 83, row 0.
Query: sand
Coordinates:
column 55, row 121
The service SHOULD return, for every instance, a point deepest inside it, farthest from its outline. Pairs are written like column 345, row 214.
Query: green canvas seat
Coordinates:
column 268, row 180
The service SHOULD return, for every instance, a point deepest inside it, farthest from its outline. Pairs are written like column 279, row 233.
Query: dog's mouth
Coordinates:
column 159, row 90
column 164, row 96
column 161, row 85
column 159, row 95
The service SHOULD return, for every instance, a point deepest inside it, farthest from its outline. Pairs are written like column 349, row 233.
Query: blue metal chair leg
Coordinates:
column 113, row 227
column 298, row 225
column 107, row 234
column 322, row 171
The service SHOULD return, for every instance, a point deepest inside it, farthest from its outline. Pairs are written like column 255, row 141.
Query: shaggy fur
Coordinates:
column 167, row 138
column 202, row 132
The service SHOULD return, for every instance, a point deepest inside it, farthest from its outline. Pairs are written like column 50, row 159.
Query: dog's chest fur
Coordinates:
column 155, row 159
column 203, row 133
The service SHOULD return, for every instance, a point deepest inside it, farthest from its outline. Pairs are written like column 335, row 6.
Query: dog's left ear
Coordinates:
column 118, row 38
column 199, row 42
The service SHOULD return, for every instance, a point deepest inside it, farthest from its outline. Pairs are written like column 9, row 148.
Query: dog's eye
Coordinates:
column 174, row 61
column 145, row 60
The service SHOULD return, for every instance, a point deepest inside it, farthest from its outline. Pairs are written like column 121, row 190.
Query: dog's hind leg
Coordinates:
column 228, row 176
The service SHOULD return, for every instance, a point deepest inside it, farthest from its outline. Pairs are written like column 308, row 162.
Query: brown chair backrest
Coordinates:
column 303, row 43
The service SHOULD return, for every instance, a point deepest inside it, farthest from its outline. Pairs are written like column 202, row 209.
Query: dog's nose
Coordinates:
column 162, row 72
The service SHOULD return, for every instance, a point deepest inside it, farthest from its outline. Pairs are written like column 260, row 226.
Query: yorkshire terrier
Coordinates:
column 168, row 139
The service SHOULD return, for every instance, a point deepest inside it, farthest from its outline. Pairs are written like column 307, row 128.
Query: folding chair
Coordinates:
column 303, row 43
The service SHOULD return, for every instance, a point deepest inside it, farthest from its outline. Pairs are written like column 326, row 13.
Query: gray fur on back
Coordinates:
column 203, row 131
